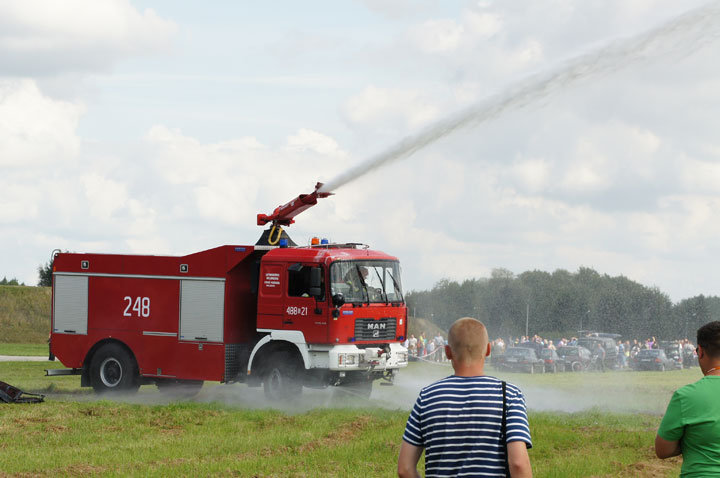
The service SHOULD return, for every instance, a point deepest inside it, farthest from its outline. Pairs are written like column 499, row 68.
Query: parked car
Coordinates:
column 553, row 362
column 576, row 358
column 607, row 343
column 521, row 359
column 651, row 359
column 674, row 353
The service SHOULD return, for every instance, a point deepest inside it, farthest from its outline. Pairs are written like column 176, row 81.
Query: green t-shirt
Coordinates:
column 693, row 417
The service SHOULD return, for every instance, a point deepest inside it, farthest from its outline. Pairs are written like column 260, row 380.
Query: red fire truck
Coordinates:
column 271, row 314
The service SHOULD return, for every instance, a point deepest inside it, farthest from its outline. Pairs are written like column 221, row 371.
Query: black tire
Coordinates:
column 179, row 388
column 576, row 367
column 281, row 380
column 113, row 369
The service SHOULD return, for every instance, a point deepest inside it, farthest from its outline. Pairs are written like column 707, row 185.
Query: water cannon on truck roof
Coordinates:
column 278, row 317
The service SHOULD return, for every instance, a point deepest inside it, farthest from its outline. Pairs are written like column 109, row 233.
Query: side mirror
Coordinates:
column 315, row 289
column 338, row 300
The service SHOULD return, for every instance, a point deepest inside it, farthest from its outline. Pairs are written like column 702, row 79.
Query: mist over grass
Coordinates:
column 233, row 430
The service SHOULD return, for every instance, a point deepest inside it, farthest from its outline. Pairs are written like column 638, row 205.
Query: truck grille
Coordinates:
column 375, row 329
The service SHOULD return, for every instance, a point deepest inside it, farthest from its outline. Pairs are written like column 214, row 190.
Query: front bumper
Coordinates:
column 345, row 358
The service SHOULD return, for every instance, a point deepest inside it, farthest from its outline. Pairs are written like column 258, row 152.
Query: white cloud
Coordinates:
column 35, row 130
column 17, row 203
column 309, row 140
column 482, row 24
column 437, row 36
column 104, row 196
column 398, row 109
column 40, row 37
column 697, row 175
column 534, row 173
column 589, row 171
column 231, row 181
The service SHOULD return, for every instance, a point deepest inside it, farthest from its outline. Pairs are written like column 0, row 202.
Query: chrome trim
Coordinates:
column 160, row 334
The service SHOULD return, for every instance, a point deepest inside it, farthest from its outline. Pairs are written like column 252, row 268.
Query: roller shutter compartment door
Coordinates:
column 70, row 305
column 202, row 305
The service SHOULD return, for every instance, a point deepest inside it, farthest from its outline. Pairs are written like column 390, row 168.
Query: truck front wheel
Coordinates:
column 281, row 380
column 113, row 369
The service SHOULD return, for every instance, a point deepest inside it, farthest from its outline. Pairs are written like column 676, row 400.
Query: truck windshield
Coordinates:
column 366, row 281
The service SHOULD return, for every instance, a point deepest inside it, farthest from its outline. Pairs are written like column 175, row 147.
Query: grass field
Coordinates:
column 232, row 430
column 24, row 349
column 24, row 314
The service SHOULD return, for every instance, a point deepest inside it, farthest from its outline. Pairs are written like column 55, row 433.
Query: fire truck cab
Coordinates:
column 280, row 317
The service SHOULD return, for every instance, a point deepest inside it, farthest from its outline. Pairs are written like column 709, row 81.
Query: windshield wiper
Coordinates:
column 397, row 287
column 382, row 283
column 364, row 284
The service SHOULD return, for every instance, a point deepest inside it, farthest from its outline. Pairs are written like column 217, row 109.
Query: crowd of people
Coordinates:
column 424, row 348
column 433, row 348
column 625, row 350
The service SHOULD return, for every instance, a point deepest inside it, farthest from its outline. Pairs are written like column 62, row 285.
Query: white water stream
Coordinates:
column 675, row 38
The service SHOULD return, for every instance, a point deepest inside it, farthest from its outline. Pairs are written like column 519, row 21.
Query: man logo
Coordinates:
column 376, row 326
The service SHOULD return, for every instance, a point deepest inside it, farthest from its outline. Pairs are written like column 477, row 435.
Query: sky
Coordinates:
column 165, row 127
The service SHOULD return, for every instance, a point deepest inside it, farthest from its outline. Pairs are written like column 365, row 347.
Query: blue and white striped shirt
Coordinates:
column 458, row 419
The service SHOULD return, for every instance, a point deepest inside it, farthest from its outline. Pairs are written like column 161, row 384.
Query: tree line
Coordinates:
column 563, row 303
column 13, row 281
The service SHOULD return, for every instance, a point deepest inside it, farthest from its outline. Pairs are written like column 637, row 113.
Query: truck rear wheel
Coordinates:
column 281, row 380
column 113, row 369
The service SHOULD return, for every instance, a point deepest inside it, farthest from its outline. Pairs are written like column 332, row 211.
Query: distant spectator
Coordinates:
column 599, row 353
column 430, row 351
column 412, row 345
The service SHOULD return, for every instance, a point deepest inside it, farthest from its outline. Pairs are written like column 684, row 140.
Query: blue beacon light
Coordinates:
column 283, row 242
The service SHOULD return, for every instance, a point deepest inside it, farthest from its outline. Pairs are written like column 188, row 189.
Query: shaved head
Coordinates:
column 468, row 340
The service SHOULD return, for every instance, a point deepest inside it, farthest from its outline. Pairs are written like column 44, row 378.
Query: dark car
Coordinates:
column 607, row 343
column 674, row 353
column 521, row 359
column 651, row 359
column 553, row 362
column 576, row 358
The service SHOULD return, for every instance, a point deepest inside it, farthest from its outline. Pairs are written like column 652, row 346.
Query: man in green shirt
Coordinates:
column 691, row 425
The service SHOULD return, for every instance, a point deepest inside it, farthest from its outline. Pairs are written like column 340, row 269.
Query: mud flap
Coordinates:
column 10, row 394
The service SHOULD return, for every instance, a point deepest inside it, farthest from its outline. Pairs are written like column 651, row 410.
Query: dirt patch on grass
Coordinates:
column 55, row 428
column 649, row 468
column 78, row 469
column 344, row 434
column 277, row 421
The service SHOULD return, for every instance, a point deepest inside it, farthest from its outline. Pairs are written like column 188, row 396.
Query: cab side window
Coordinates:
column 299, row 282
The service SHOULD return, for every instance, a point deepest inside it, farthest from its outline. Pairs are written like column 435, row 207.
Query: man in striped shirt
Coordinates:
column 458, row 420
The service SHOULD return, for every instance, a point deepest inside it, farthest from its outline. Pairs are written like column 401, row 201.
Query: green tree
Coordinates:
column 12, row 281
column 45, row 274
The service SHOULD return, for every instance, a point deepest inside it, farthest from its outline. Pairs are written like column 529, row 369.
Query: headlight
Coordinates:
column 346, row 359
column 402, row 357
